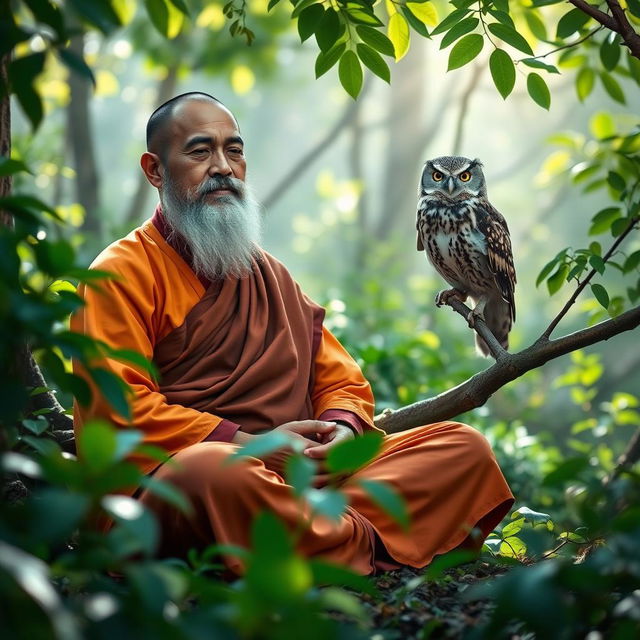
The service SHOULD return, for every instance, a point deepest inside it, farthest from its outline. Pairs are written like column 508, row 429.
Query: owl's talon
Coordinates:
column 445, row 295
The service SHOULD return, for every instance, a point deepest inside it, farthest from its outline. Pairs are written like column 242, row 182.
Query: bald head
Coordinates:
column 159, row 124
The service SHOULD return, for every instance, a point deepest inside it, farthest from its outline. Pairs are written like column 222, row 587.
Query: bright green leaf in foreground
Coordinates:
column 398, row 31
column 503, row 72
column 465, row 51
column 538, row 90
column 350, row 455
column 350, row 73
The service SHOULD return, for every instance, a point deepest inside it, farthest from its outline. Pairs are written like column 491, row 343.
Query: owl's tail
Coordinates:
column 498, row 318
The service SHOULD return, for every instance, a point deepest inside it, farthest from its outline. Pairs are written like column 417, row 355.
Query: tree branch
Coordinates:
column 585, row 282
column 475, row 391
column 617, row 22
column 303, row 163
column 480, row 327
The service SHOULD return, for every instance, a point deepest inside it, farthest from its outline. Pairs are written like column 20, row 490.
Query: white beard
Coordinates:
column 223, row 236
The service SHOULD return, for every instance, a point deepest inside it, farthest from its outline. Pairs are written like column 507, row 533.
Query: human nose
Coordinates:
column 219, row 165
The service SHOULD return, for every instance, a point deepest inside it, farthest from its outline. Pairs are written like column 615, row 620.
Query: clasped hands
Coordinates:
column 317, row 438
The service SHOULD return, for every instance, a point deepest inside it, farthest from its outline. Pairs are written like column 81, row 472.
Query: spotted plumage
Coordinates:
column 467, row 241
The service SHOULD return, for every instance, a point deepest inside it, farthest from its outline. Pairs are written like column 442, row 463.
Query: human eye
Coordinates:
column 236, row 151
column 199, row 152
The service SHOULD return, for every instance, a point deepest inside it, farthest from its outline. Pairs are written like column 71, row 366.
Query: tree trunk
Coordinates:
column 80, row 138
column 5, row 120
column 405, row 146
column 166, row 90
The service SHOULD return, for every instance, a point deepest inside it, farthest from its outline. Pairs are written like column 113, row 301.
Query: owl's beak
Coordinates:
column 451, row 184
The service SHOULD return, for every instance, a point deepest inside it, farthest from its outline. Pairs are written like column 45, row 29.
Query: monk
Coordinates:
column 241, row 350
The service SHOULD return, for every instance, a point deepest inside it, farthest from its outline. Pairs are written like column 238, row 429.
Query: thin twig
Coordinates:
column 585, row 282
column 565, row 46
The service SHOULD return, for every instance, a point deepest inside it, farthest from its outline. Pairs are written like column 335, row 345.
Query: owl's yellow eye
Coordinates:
column 437, row 176
column 465, row 176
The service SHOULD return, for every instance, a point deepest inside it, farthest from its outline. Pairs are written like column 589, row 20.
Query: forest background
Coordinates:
column 338, row 179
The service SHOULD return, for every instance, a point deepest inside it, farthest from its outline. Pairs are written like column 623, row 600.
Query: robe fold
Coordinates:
column 252, row 354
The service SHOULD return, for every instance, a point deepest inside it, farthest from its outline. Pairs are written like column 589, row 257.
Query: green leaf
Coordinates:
column 538, row 90
column 263, row 445
column 361, row 14
column 511, row 37
column 99, row 13
column 425, row 12
column 326, row 59
column 328, row 30
column 126, row 441
column 598, row 264
column 22, row 74
column 585, row 81
column 600, row 294
column 38, row 426
column 602, row 125
column 302, row 5
column 503, row 72
column 398, row 31
column 632, row 262
column 536, row 25
column 512, row 528
column 97, row 445
column 571, row 22
column 76, row 64
column 376, row 39
column 48, row 13
column 181, row 6
column 128, row 355
column 113, row 389
column 603, row 220
column 417, row 25
column 54, row 257
column 452, row 19
column 465, row 50
column 371, row 59
column 538, row 64
column 555, row 282
column 440, row 564
column 308, row 21
column 546, row 270
column 634, row 7
column 159, row 15
column 327, row 502
column 513, row 548
column 299, row 473
column 350, row 455
column 457, row 31
column 503, row 17
column 616, row 181
column 565, row 471
column 534, row 517
column 389, row 500
column 136, row 529
column 612, row 87
column 272, row 3
column 10, row 166
column 610, row 51
column 350, row 73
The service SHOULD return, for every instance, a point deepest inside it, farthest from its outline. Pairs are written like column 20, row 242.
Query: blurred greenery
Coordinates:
column 338, row 182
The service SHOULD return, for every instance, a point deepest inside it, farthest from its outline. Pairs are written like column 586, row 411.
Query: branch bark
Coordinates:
column 475, row 391
column 616, row 22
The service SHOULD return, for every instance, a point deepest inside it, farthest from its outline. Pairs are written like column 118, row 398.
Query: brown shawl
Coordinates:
column 246, row 351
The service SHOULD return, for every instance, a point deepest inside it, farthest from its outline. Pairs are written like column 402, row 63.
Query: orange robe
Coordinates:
column 253, row 354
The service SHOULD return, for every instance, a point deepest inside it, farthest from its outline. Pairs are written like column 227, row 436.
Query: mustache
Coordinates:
column 214, row 183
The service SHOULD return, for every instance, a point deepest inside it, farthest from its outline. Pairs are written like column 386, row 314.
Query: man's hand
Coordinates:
column 310, row 433
column 319, row 452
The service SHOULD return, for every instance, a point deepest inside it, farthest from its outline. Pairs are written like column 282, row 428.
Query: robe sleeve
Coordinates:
column 121, row 314
column 340, row 391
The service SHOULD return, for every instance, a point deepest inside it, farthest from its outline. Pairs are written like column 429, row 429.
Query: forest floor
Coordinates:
column 412, row 607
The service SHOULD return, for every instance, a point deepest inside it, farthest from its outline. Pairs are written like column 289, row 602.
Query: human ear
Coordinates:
column 152, row 167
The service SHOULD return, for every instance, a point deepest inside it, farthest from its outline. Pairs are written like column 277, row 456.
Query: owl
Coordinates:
column 468, row 243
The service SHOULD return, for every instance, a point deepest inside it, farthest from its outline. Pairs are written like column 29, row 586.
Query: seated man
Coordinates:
column 241, row 350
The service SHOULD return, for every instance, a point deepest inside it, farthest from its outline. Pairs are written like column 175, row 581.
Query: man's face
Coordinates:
column 204, row 141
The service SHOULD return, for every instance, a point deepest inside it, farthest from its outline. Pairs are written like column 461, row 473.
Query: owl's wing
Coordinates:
column 494, row 227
